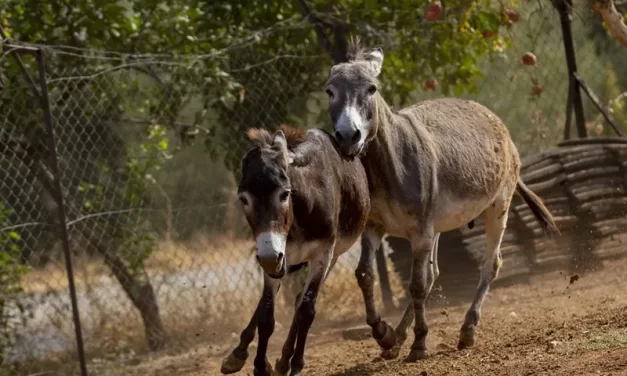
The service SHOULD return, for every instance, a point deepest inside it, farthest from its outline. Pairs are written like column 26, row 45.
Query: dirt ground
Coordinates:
column 558, row 324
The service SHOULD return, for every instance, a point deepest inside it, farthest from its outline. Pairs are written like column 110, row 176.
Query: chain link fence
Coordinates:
column 149, row 149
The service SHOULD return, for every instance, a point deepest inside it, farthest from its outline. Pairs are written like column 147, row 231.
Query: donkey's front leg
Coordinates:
column 433, row 272
column 420, row 287
column 381, row 330
column 236, row 360
column 306, row 311
column 282, row 366
column 265, row 322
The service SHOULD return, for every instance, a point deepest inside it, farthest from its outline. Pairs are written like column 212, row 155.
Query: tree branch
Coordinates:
column 612, row 18
column 337, row 51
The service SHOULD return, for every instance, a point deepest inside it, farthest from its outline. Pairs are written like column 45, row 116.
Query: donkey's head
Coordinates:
column 352, row 91
column 264, row 192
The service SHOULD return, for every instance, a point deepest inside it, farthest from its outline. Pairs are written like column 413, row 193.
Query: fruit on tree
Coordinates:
column 512, row 15
column 528, row 59
column 431, row 84
column 434, row 10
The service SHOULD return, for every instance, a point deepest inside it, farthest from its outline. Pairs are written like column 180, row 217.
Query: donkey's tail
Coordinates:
column 539, row 210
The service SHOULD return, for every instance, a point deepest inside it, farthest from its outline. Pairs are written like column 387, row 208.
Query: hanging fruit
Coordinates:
column 528, row 59
column 433, row 11
column 512, row 15
column 431, row 84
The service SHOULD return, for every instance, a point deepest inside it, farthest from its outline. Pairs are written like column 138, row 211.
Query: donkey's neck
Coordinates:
column 386, row 159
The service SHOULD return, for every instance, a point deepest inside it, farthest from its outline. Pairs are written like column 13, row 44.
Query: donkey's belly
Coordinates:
column 395, row 218
column 453, row 212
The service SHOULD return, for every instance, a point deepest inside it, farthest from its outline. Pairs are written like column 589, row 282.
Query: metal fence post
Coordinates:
column 562, row 7
column 63, row 233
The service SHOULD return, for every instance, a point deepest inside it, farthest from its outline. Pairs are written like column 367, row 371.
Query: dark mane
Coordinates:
column 294, row 136
column 263, row 138
column 355, row 50
column 260, row 136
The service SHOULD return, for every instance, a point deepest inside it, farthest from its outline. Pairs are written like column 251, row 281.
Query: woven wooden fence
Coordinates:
column 584, row 184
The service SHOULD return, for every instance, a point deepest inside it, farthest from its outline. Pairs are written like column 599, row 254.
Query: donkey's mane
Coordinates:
column 259, row 136
column 355, row 50
column 263, row 138
column 293, row 135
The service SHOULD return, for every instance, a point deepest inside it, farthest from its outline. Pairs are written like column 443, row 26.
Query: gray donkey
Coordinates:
column 432, row 167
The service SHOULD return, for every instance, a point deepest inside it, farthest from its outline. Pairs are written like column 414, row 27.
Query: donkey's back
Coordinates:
column 469, row 146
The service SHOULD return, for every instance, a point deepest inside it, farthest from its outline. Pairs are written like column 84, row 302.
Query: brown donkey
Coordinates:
column 432, row 167
column 305, row 203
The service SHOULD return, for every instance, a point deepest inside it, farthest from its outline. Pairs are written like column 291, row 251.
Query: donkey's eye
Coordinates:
column 372, row 89
column 329, row 93
column 284, row 196
column 243, row 200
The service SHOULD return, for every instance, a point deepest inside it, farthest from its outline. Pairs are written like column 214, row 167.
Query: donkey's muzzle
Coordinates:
column 350, row 141
column 271, row 253
column 273, row 265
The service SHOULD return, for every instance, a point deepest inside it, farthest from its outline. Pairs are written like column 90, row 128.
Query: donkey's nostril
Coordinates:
column 279, row 258
column 338, row 135
column 258, row 259
column 357, row 135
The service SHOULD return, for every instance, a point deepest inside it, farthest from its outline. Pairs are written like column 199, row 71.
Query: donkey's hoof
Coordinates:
column 232, row 364
column 266, row 372
column 388, row 340
column 391, row 353
column 466, row 339
column 279, row 369
column 416, row 355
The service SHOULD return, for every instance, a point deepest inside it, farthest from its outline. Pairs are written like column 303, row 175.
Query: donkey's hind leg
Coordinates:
column 495, row 217
column 408, row 315
column 381, row 331
column 434, row 258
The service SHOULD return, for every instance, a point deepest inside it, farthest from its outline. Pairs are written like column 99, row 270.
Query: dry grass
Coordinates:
column 218, row 250
column 169, row 256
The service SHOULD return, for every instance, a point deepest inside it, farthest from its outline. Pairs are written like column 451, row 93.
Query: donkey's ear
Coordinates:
column 375, row 58
column 279, row 141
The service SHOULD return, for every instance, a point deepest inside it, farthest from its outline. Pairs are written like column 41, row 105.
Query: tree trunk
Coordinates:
column 141, row 293
column 136, row 285
column 338, row 50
